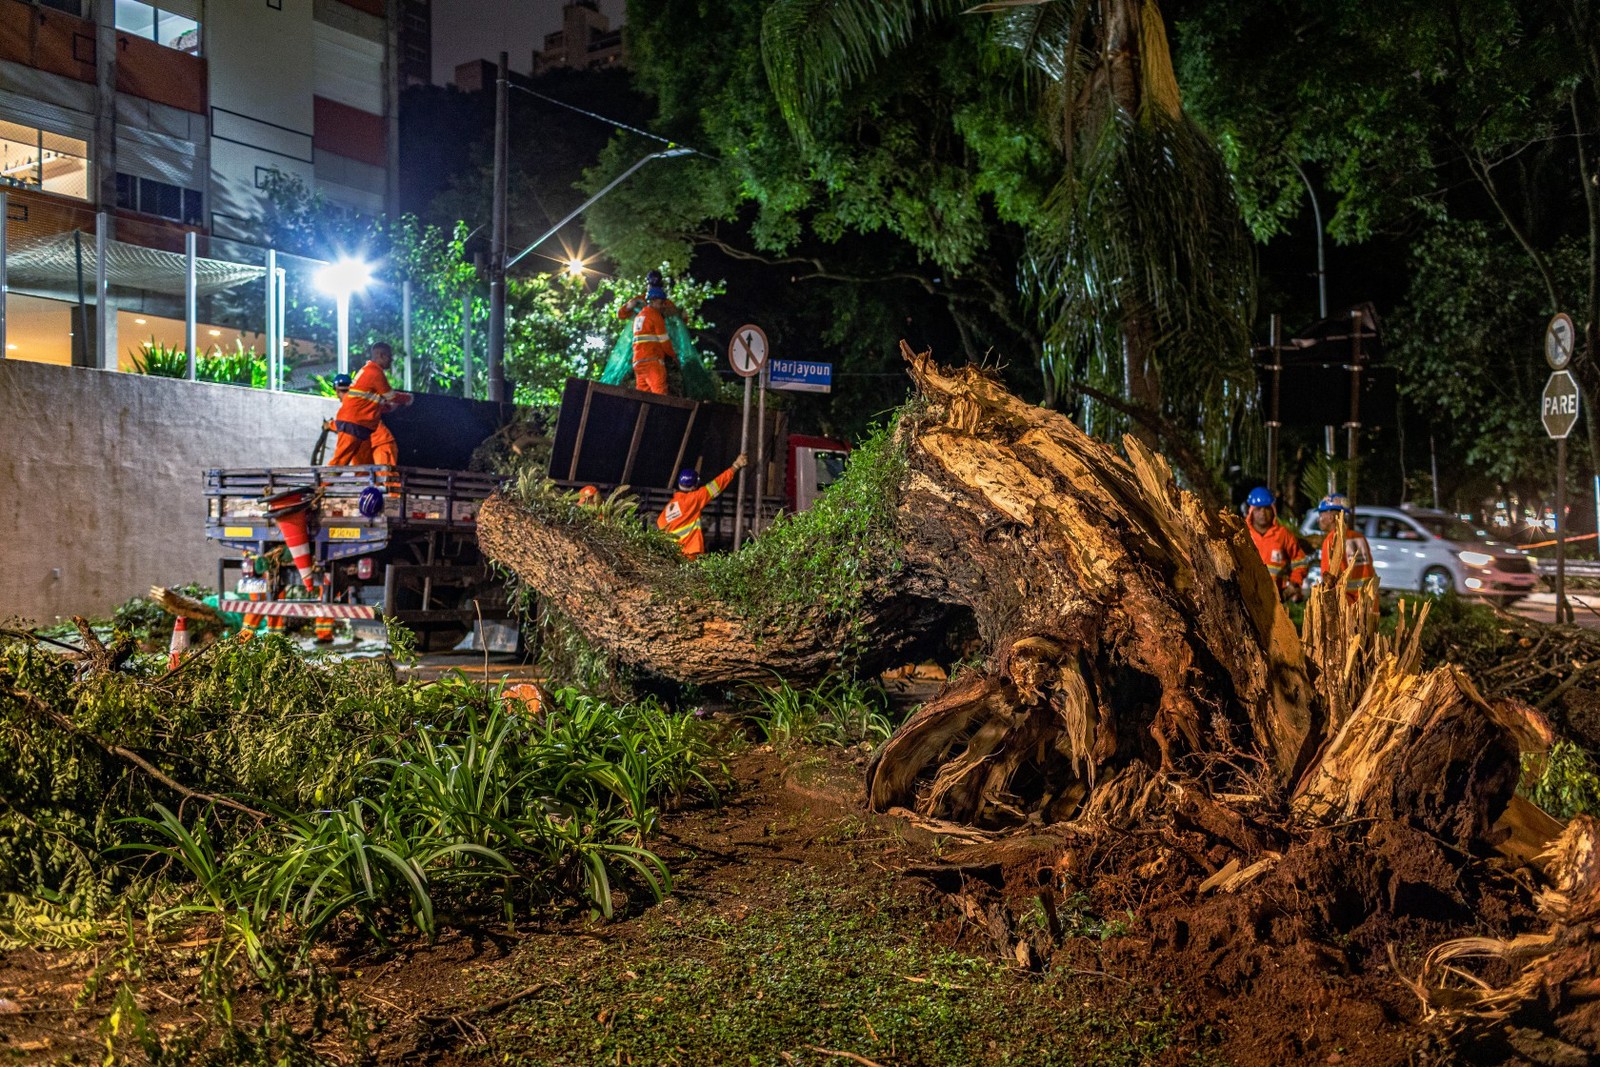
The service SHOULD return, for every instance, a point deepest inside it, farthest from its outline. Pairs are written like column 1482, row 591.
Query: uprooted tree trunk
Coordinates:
column 1146, row 716
column 1134, row 641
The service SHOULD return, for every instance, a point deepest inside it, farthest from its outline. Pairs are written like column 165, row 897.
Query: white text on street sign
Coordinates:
column 1558, row 406
column 800, row 376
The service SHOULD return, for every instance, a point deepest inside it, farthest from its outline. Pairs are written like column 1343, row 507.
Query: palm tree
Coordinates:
column 1140, row 269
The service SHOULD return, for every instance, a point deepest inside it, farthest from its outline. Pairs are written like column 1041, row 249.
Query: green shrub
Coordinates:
column 1564, row 781
column 380, row 795
column 242, row 366
column 840, row 710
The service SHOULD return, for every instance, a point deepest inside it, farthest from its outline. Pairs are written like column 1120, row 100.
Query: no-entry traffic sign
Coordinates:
column 1558, row 408
column 747, row 351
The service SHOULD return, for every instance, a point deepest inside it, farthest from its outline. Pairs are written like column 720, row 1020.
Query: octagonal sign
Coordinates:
column 1558, row 408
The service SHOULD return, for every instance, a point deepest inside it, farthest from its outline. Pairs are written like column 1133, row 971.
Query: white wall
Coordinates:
column 102, row 479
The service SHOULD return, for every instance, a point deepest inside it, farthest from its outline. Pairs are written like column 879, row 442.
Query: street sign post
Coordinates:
column 747, row 353
column 1558, row 410
column 800, row 376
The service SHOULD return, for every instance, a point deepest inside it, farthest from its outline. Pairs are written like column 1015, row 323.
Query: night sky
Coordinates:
column 481, row 29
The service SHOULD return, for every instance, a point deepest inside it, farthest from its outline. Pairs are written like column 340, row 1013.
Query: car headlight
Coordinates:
column 1475, row 559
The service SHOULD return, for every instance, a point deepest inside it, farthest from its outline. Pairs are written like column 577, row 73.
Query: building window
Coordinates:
column 39, row 159
column 138, row 19
column 151, row 197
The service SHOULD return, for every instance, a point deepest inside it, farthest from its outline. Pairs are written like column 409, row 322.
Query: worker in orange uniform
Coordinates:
column 681, row 516
column 652, row 348
column 363, row 438
column 1285, row 557
column 1356, row 556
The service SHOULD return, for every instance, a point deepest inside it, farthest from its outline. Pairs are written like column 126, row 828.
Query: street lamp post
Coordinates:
column 341, row 279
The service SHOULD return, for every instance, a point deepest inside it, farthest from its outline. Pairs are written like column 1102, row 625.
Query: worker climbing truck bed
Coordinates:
column 397, row 543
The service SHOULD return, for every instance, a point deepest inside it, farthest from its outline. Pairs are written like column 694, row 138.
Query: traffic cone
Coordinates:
column 179, row 643
column 322, row 630
column 291, row 510
column 253, row 589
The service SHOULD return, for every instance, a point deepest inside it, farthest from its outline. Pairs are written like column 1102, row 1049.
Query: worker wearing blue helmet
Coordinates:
column 1285, row 557
column 1354, row 564
column 681, row 516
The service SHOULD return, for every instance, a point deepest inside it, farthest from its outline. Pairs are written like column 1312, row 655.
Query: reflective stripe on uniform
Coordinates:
column 640, row 338
column 362, row 394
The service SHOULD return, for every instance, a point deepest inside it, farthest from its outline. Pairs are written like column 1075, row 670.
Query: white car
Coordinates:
column 1433, row 552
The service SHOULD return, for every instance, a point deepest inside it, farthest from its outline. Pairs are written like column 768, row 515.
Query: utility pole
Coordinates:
column 1353, row 427
column 1274, row 417
column 497, row 246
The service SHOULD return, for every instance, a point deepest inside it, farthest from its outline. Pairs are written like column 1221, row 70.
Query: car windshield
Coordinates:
column 1449, row 527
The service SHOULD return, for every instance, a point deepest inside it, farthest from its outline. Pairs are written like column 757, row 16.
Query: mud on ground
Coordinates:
column 803, row 931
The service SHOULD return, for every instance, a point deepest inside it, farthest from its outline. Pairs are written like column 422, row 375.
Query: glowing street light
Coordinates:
column 575, row 267
column 341, row 279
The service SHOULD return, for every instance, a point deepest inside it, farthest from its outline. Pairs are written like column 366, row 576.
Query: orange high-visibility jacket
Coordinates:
column 650, row 340
column 1281, row 551
column 364, row 401
column 681, row 516
column 1357, row 557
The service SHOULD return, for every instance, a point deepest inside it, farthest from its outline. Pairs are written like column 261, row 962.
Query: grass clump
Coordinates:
column 840, row 710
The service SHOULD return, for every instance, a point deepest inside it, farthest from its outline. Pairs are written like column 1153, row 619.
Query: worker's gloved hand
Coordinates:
column 400, row 400
column 1293, row 593
column 741, row 463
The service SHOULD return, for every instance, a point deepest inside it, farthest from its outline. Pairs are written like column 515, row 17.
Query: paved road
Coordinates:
column 1541, row 607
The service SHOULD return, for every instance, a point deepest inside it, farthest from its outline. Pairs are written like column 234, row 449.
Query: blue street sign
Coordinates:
column 800, row 376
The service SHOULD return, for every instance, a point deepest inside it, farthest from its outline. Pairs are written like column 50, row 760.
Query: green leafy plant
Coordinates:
column 241, row 366
column 839, row 711
column 1564, row 781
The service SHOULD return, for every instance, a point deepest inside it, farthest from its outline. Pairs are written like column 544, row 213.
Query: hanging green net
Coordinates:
column 699, row 381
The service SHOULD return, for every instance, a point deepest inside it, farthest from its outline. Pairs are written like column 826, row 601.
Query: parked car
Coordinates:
column 1427, row 551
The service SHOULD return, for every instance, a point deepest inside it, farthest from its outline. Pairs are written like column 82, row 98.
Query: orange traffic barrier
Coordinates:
column 291, row 510
column 179, row 643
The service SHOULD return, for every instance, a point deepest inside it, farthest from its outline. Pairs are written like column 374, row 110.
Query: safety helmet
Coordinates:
column 588, row 495
column 688, row 478
column 341, row 381
column 653, row 277
column 370, row 502
column 1260, row 497
column 1335, row 502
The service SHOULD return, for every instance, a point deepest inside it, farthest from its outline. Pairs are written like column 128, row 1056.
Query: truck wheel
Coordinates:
column 1436, row 581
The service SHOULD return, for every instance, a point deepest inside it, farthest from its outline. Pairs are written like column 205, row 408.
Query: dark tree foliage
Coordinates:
column 1466, row 133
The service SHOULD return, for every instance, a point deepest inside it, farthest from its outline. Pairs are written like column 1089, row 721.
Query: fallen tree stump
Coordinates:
column 1135, row 641
column 1147, row 725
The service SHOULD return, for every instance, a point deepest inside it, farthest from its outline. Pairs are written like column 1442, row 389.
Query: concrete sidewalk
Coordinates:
column 1586, row 600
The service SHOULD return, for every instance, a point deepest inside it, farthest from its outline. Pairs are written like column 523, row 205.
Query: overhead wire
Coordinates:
column 610, row 121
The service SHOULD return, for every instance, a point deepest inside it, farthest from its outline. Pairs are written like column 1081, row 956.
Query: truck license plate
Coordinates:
column 344, row 533
column 238, row 531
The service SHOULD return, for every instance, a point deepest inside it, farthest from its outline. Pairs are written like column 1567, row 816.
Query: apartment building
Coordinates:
column 585, row 40
column 169, row 116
